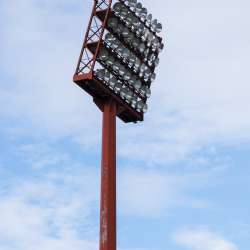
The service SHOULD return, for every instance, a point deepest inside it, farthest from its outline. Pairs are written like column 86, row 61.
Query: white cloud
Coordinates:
column 202, row 239
column 40, row 155
column 155, row 194
column 51, row 212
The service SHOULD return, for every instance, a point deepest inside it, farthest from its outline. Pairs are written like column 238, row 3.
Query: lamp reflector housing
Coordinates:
column 117, row 7
column 143, row 13
column 103, row 55
column 137, row 84
column 158, row 28
column 128, row 95
column 156, row 61
column 124, row 11
column 100, row 73
column 145, row 108
column 118, row 86
column 132, row 3
column 112, row 22
column 121, row 70
column 153, row 24
column 106, row 76
column 127, row 75
column 116, row 66
column 123, row 92
column 110, row 60
column 152, row 77
column 143, row 89
column 138, row 7
column 109, row 38
column 148, row 93
column 139, row 105
column 134, row 99
column 160, row 47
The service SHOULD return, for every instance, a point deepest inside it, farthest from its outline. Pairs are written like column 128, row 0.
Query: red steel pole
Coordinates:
column 108, row 178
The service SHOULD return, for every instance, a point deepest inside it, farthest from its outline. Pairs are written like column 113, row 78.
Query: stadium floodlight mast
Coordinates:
column 116, row 67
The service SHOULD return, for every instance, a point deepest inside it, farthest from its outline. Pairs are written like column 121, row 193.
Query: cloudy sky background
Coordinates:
column 182, row 175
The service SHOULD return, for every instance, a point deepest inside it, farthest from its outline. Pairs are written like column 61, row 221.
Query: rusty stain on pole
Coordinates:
column 108, row 178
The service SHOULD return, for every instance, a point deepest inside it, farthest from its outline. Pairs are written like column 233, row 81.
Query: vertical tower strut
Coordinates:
column 108, row 178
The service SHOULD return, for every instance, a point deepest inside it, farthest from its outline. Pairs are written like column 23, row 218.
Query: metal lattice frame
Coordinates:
column 93, row 35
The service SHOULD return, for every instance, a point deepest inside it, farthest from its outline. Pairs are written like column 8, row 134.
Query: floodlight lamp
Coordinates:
column 118, row 29
column 110, row 60
column 134, row 99
column 153, row 24
column 112, row 22
column 137, row 84
column 132, row 58
column 142, row 67
column 143, row 13
column 135, row 22
column 103, row 55
column 129, row 18
column 139, row 104
column 116, row 66
column 132, row 3
column 125, row 53
column 136, row 42
column 143, row 89
column 156, row 62
column 152, row 77
column 128, row 95
column 130, row 37
column 127, row 75
column 121, row 70
column 120, row 48
column 118, row 86
column 155, row 42
column 109, row 38
column 145, row 108
column 125, row 31
column 100, row 73
column 145, row 33
column 132, row 80
column 112, row 82
column 146, row 51
column 117, row 7
column 160, row 47
column 124, row 11
column 137, row 63
column 150, row 37
column 148, row 93
column 151, row 57
column 140, row 28
column 149, row 18
column 106, row 76
column 158, row 28
column 138, row 7
column 142, row 47
column 123, row 92
column 147, row 73
column 115, row 43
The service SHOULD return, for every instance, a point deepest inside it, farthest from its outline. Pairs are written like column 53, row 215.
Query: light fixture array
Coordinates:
column 129, row 52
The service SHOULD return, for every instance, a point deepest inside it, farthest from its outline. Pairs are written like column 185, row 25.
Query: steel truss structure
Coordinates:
column 93, row 42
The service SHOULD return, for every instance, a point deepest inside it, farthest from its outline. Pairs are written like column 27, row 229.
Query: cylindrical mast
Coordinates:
column 108, row 178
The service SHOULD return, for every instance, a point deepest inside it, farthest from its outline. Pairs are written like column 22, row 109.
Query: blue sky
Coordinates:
column 182, row 175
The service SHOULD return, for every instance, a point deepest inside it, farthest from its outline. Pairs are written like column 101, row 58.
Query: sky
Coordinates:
column 182, row 175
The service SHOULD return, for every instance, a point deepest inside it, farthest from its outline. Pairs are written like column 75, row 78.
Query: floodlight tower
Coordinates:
column 116, row 67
